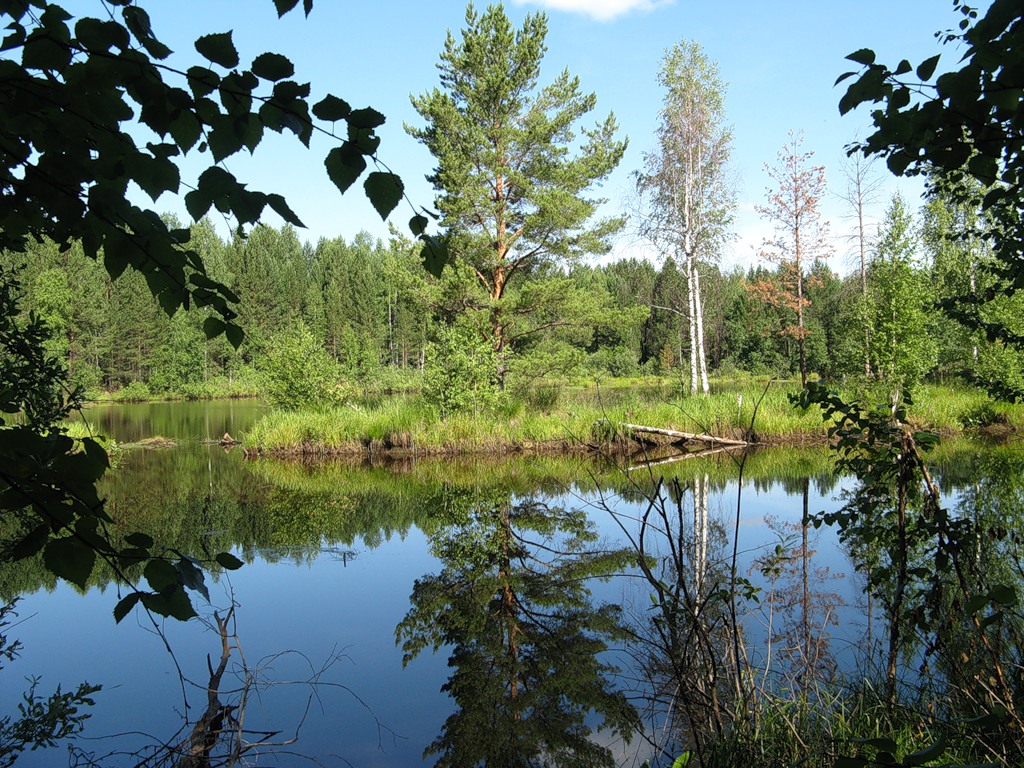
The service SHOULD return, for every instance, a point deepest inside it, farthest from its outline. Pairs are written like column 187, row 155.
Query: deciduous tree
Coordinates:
column 686, row 196
column 76, row 95
column 963, row 123
column 900, row 303
column 793, row 208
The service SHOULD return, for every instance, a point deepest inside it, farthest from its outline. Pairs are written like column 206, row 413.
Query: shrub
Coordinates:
column 136, row 392
column 297, row 372
column 460, row 372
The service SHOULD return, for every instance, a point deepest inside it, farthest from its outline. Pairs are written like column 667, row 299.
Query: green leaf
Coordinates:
column 34, row 541
column 283, row 6
column 41, row 51
column 197, row 203
column 125, row 605
column 272, row 66
column 898, row 162
column 899, row 99
column 282, row 209
column 1003, row 594
column 926, row 68
column 137, row 21
column 219, row 49
column 975, row 604
column 70, row 559
column 434, row 255
column 101, row 36
column 213, row 327
column 137, row 539
column 385, row 191
column 331, row 108
column 191, row 575
column 418, row 224
column 160, row 575
column 344, row 164
column 366, row 118
column 224, row 142
column 228, row 562
column 202, row 81
column 929, row 753
column 863, row 56
column 234, row 334
column 173, row 603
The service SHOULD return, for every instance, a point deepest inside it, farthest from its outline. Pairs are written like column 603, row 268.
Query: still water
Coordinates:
column 381, row 608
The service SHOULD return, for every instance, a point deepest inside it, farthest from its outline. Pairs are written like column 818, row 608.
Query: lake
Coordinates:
column 463, row 609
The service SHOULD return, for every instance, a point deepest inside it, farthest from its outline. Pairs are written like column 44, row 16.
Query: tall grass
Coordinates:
column 405, row 423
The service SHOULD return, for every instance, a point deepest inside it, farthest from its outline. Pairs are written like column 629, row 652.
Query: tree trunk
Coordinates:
column 699, row 317
column 800, row 309
column 691, row 307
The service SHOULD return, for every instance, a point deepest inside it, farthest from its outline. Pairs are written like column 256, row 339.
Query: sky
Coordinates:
column 779, row 61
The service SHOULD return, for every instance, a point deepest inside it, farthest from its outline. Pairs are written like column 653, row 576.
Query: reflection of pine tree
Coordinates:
column 512, row 600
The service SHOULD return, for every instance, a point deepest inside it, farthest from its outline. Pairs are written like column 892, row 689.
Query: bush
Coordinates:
column 297, row 372
column 136, row 392
column 460, row 372
column 984, row 415
column 544, row 397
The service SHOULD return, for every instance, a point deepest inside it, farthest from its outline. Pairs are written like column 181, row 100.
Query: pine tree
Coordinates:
column 513, row 186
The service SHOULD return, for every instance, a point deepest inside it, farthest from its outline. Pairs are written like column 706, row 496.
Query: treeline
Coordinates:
column 376, row 314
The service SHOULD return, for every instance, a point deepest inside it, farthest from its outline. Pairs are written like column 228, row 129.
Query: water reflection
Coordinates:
column 530, row 679
column 505, row 571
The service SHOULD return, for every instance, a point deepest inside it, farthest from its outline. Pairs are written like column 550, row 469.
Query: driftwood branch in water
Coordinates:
column 677, row 457
column 683, row 436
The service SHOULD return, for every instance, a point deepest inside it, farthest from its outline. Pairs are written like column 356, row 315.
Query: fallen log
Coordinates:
column 683, row 436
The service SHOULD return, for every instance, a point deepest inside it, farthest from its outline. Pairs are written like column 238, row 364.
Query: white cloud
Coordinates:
column 602, row 10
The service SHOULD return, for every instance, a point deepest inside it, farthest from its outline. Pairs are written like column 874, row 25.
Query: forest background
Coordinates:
column 366, row 303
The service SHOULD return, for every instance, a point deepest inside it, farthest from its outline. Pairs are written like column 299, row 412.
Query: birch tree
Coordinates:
column 686, row 198
column 801, row 236
column 861, row 191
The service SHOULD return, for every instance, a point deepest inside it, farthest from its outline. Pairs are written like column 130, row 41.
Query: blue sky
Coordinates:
column 780, row 61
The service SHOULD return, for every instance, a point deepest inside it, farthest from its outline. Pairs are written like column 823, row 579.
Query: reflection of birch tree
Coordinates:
column 686, row 647
column 513, row 602
column 700, row 531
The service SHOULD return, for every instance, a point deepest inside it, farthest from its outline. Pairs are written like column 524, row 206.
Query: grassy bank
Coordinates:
column 563, row 419
column 219, row 388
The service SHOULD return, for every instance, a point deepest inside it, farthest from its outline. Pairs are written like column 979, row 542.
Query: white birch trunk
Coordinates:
column 699, row 316
column 693, row 327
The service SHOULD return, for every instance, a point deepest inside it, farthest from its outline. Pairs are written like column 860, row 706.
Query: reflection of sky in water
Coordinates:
column 333, row 605
column 318, row 610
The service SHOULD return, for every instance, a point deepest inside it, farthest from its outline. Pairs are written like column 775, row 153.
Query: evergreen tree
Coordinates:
column 663, row 333
column 513, row 183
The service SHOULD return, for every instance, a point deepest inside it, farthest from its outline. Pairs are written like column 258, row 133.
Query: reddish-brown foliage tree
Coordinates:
column 801, row 236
